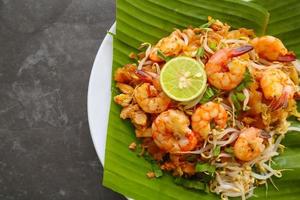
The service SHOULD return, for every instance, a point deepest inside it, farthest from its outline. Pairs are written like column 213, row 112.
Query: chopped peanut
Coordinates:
column 132, row 146
column 150, row 174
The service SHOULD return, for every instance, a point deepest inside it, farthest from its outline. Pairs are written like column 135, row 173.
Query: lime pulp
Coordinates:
column 183, row 79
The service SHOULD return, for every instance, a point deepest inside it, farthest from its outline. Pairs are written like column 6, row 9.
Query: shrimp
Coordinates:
column 192, row 42
column 249, row 145
column 272, row 49
column 150, row 99
column 278, row 87
column 126, row 74
column 204, row 115
column 143, row 132
column 171, row 132
column 124, row 88
column 137, row 116
column 123, row 99
column 241, row 32
column 169, row 46
column 224, row 73
column 149, row 77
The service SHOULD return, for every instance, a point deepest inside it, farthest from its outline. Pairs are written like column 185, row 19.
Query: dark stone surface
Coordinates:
column 47, row 48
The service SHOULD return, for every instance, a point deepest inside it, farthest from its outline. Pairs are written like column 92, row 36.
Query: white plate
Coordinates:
column 99, row 93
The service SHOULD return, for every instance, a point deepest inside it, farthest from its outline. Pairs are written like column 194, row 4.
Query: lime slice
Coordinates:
column 183, row 78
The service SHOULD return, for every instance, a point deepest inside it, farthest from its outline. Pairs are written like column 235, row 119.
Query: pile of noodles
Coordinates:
column 231, row 178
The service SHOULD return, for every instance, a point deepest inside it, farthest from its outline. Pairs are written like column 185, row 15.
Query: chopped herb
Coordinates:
column 191, row 158
column 217, row 150
column 237, row 95
column 228, row 150
column 134, row 57
column 193, row 184
column 157, row 171
column 148, row 157
column 206, row 189
column 150, row 175
column 208, row 24
column 139, row 149
column 209, row 94
column 163, row 56
column 240, row 96
column 154, row 166
column 246, row 81
column 200, row 52
column 205, row 178
column 213, row 125
column 205, row 167
column 213, row 45
column 236, row 102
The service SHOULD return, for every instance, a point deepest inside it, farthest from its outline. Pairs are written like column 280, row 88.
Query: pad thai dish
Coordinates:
column 210, row 106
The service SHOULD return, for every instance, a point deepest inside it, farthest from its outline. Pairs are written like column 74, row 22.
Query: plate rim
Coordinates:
column 105, row 92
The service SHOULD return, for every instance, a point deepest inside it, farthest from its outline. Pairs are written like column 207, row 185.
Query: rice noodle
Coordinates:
column 200, row 151
column 233, row 181
column 199, row 60
column 147, row 53
column 246, row 101
column 225, row 132
column 205, row 45
column 226, row 107
column 231, row 138
column 239, row 124
column 233, row 110
column 296, row 63
column 264, row 67
column 253, row 55
column 219, row 165
column 225, row 155
column 207, row 154
column 157, row 68
column 148, row 62
column 153, row 75
column 265, row 62
column 236, row 41
column 185, row 38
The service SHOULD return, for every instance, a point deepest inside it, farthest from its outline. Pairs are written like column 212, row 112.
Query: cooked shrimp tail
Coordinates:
column 144, row 76
column 280, row 102
column 224, row 72
column 277, row 87
column 240, row 50
column 272, row 49
column 289, row 57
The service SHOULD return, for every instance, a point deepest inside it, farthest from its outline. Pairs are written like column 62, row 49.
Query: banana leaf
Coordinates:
column 141, row 21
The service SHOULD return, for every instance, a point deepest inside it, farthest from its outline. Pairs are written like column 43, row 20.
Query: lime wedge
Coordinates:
column 183, row 79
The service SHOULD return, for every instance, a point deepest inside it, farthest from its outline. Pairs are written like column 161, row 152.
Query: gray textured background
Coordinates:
column 47, row 48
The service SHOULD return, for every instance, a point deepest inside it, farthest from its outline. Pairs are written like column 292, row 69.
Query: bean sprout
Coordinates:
column 147, row 53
